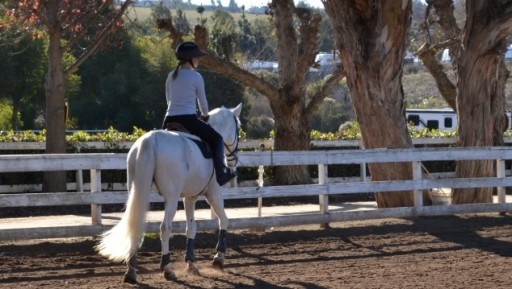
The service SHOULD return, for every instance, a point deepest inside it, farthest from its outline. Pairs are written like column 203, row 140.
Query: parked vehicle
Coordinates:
column 441, row 119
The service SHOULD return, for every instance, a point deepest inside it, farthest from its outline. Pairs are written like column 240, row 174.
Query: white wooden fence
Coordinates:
column 96, row 163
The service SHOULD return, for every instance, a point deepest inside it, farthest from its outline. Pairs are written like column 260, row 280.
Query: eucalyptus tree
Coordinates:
column 371, row 37
column 477, row 57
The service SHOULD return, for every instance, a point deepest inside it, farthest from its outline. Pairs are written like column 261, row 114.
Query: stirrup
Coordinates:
column 224, row 177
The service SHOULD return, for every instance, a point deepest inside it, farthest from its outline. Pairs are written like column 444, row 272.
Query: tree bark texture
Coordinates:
column 54, row 90
column 481, row 90
column 371, row 37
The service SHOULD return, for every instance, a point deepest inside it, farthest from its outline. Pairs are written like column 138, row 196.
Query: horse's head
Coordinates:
column 227, row 123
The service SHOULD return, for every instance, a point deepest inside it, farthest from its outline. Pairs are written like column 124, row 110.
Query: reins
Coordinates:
column 232, row 155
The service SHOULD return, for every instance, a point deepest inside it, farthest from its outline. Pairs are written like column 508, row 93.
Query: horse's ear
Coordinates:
column 236, row 111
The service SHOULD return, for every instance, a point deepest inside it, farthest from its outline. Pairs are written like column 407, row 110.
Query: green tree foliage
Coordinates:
column 325, row 39
column 223, row 35
column 266, row 41
column 5, row 116
column 200, row 9
column 232, row 6
column 330, row 115
column 119, row 90
column 223, row 91
column 246, row 39
column 256, row 40
column 181, row 22
column 22, row 65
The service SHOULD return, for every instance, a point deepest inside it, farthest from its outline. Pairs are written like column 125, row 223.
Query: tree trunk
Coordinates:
column 371, row 37
column 481, row 98
column 482, row 122
column 292, row 134
column 55, row 103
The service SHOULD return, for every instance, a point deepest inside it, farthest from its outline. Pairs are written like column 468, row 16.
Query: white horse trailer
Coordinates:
column 440, row 119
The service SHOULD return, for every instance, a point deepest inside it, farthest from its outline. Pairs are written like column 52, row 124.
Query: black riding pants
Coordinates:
column 196, row 127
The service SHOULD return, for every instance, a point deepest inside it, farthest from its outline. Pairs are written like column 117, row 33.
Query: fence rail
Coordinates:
column 244, row 145
column 97, row 163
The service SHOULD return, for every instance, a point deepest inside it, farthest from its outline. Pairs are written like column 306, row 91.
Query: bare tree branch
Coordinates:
column 309, row 32
column 175, row 35
column 326, row 88
column 98, row 40
column 82, row 19
column 427, row 52
column 231, row 70
column 447, row 89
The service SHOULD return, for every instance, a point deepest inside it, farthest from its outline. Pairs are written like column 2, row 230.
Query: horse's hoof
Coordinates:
column 170, row 276
column 218, row 264
column 130, row 278
column 192, row 268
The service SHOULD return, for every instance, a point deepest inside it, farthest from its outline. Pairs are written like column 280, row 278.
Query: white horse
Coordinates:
column 173, row 162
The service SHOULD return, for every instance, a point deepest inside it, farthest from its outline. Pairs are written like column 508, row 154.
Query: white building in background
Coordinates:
column 261, row 65
column 327, row 62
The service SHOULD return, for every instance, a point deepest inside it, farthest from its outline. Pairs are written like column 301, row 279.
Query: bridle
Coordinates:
column 232, row 156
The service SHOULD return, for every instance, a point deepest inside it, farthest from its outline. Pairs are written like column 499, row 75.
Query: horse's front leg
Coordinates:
column 217, row 203
column 165, row 235
column 191, row 229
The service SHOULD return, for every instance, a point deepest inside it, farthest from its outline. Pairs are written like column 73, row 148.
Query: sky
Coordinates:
column 258, row 3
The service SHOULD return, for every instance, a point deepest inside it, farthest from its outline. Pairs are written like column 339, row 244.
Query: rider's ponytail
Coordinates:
column 175, row 72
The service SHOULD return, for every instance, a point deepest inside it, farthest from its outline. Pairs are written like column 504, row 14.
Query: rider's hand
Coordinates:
column 204, row 117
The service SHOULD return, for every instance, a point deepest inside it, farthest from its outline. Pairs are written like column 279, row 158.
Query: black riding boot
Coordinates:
column 222, row 173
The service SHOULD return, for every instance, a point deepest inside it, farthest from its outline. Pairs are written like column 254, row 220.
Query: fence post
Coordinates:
column 417, row 175
column 323, row 179
column 79, row 181
column 500, row 173
column 96, row 189
column 362, row 167
column 260, row 181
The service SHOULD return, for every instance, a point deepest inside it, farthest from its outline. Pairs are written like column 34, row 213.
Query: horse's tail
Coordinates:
column 122, row 241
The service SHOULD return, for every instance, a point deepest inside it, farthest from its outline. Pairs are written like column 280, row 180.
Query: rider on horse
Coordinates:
column 183, row 86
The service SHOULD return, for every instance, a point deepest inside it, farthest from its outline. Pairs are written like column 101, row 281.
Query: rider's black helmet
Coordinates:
column 188, row 50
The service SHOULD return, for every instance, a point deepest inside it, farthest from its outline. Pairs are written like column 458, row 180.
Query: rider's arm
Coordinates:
column 201, row 96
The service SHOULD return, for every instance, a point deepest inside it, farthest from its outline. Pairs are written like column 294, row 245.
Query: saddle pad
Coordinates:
column 203, row 147
column 182, row 131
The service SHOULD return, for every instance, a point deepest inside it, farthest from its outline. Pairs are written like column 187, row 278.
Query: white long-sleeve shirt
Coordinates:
column 181, row 93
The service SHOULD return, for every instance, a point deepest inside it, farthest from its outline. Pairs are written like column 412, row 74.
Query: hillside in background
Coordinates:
column 421, row 90
column 143, row 13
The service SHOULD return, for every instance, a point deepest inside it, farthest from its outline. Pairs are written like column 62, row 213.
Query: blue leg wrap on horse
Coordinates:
column 166, row 259
column 190, row 256
column 221, row 244
column 133, row 261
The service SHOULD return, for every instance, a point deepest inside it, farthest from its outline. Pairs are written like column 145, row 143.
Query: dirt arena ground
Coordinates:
column 466, row 251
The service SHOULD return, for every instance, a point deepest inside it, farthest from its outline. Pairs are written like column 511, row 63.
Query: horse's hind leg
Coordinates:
column 165, row 235
column 191, row 229
column 131, row 273
column 217, row 203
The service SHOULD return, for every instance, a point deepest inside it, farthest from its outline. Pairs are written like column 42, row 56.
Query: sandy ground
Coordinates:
column 465, row 251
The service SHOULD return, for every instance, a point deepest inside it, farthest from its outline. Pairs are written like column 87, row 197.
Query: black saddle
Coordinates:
column 202, row 145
